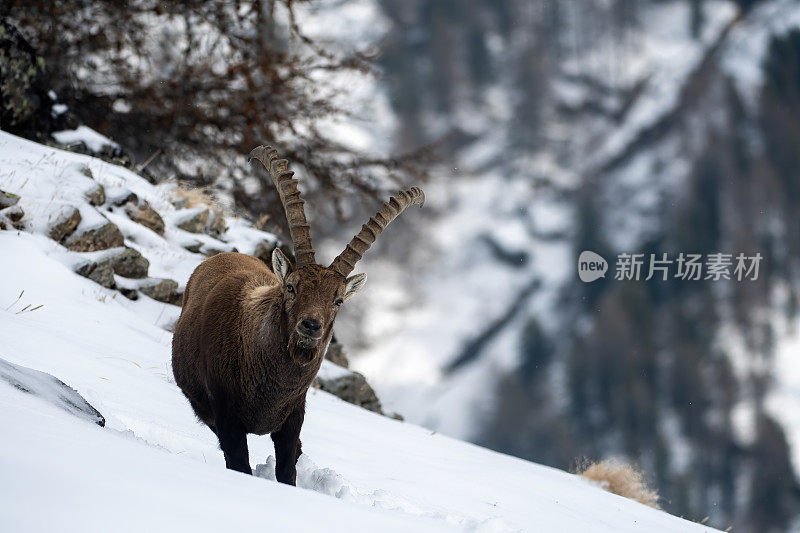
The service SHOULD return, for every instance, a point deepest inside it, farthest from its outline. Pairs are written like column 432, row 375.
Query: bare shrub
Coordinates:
column 623, row 479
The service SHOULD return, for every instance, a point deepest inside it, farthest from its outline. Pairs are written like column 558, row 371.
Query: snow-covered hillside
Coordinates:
column 154, row 467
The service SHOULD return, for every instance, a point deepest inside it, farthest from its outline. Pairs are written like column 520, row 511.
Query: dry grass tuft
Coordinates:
column 196, row 197
column 620, row 478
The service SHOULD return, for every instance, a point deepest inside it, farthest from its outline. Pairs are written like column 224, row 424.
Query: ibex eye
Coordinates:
column 290, row 288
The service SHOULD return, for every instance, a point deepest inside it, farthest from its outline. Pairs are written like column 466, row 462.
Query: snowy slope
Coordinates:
column 155, row 467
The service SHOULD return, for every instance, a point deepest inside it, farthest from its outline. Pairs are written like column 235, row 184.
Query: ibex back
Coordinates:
column 249, row 341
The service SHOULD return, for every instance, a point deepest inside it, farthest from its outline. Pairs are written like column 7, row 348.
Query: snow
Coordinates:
column 155, row 468
column 93, row 140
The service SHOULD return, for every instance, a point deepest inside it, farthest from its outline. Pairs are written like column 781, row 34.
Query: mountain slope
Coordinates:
column 154, row 466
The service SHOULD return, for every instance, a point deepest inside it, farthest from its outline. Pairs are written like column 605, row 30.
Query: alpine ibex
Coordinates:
column 249, row 341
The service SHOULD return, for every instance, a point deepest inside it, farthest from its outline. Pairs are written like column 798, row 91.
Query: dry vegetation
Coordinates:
column 620, row 478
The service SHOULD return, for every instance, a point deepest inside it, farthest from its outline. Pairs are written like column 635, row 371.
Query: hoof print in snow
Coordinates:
column 7, row 199
column 142, row 213
column 162, row 290
column 65, row 225
column 102, row 238
column 196, row 222
column 50, row 389
column 96, row 195
column 352, row 388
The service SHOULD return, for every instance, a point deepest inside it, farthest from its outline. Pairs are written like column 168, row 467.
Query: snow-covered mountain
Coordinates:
column 153, row 466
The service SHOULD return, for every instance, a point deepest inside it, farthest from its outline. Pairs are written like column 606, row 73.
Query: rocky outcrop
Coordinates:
column 142, row 213
column 25, row 107
column 65, row 225
column 125, row 262
column 102, row 238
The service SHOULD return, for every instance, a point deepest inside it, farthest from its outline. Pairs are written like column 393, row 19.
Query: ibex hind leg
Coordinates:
column 232, row 439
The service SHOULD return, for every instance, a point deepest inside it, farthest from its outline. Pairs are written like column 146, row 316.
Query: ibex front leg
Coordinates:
column 288, row 447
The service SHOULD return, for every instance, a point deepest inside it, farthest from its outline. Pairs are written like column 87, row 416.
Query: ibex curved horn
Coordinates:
column 293, row 204
column 346, row 261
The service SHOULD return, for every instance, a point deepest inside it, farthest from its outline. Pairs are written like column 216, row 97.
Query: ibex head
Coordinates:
column 314, row 293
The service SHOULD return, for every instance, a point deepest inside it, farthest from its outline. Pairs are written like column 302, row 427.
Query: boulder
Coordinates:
column 142, row 213
column 130, row 264
column 102, row 238
column 195, row 223
column 65, row 225
column 101, row 273
column 351, row 387
column 7, row 199
column 162, row 290
column 96, row 195
column 336, row 354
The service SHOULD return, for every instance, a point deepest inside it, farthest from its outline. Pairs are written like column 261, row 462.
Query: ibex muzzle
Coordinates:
column 249, row 341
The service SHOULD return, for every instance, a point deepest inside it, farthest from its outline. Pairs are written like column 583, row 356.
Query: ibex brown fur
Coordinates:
column 249, row 341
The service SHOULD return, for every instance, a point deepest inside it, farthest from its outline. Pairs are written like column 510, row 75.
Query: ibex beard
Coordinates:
column 250, row 340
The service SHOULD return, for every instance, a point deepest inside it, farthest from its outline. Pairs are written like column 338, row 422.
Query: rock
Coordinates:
column 336, row 354
column 96, row 195
column 216, row 227
column 14, row 215
column 145, row 215
column 65, row 225
column 193, row 246
column 2, row 225
column 121, row 197
column 352, row 388
column 130, row 294
column 50, row 389
column 7, row 199
column 264, row 251
column 209, row 250
column 101, row 273
column 162, row 290
column 130, row 264
column 102, row 238
column 25, row 107
column 195, row 223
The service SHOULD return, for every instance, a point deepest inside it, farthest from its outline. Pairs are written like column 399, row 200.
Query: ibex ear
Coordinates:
column 280, row 264
column 354, row 284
